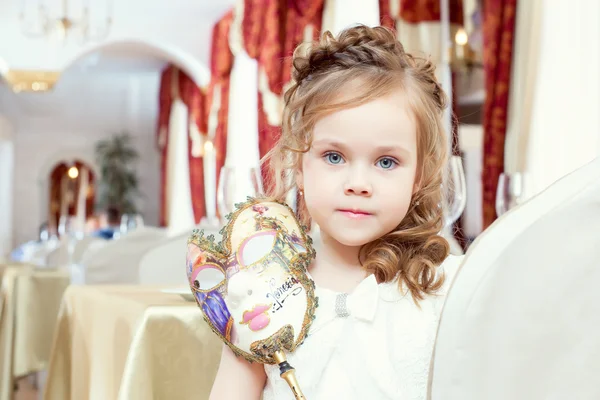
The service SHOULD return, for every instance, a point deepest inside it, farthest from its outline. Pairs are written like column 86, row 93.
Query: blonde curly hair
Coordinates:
column 374, row 62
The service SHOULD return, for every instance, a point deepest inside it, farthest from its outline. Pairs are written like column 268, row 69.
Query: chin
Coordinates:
column 354, row 240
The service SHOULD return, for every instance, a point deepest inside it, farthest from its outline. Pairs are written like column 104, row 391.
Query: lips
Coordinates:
column 355, row 213
column 257, row 318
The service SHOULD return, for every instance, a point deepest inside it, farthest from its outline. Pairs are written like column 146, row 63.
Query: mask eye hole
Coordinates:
column 207, row 277
column 255, row 248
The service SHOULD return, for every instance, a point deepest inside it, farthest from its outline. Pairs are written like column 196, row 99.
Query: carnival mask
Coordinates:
column 252, row 287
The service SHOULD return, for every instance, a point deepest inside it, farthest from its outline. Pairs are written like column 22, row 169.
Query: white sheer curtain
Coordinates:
column 341, row 14
column 471, row 146
column 179, row 198
column 526, row 54
column 242, row 134
column 553, row 125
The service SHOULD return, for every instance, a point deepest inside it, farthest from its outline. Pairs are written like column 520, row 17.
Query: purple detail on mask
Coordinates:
column 214, row 307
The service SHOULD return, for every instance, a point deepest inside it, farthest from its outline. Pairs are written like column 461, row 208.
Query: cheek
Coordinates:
column 309, row 167
column 396, row 211
column 397, row 197
column 317, row 179
column 400, row 207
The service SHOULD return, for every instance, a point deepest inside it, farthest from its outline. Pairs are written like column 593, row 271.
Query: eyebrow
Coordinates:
column 379, row 149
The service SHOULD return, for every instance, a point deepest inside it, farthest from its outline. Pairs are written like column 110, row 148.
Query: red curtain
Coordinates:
column 498, row 34
column 385, row 15
column 272, row 41
column 415, row 11
column 195, row 99
column 271, row 30
column 267, row 137
column 261, row 30
column 299, row 14
column 165, row 99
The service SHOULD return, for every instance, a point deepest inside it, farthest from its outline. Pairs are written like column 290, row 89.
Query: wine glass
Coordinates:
column 235, row 185
column 509, row 193
column 455, row 191
column 124, row 226
column 131, row 222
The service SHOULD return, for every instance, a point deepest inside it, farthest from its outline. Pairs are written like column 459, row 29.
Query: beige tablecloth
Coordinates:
column 130, row 343
column 30, row 298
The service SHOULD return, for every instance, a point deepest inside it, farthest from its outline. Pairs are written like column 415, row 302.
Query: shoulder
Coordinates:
column 429, row 308
column 448, row 269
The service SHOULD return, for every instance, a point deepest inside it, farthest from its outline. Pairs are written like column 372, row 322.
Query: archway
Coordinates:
column 197, row 71
column 71, row 195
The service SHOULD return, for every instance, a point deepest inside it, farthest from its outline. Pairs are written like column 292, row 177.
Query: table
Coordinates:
column 130, row 343
column 30, row 298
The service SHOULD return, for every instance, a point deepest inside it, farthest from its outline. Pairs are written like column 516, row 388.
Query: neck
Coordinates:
column 337, row 266
column 338, row 254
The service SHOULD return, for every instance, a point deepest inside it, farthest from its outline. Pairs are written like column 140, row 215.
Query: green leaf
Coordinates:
column 118, row 185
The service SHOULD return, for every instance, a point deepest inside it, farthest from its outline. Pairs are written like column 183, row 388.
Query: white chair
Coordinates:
column 29, row 252
column 522, row 318
column 89, row 244
column 83, row 244
column 117, row 261
column 60, row 256
column 39, row 255
column 164, row 264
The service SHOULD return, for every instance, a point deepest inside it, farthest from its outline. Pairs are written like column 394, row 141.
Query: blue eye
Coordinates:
column 334, row 158
column 386, row 163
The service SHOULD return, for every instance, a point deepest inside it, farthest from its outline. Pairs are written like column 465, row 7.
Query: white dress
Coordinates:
column 374, row 343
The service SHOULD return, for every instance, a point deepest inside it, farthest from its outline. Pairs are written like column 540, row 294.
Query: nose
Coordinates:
column 358, row 184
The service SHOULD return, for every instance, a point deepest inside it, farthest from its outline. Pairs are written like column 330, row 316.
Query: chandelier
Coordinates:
column 69, row 20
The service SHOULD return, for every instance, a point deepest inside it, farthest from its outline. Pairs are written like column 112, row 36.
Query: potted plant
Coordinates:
column 118, row 183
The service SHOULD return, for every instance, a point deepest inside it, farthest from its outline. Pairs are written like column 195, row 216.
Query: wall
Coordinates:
column 65, row 124
column 6, row 185
column 565, row 122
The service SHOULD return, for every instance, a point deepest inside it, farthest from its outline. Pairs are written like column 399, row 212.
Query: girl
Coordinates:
column 363, row 138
